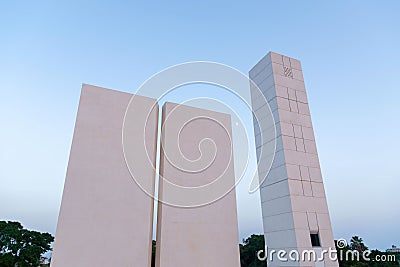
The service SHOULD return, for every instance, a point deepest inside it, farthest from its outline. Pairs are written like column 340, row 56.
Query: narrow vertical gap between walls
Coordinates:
column 157, row 174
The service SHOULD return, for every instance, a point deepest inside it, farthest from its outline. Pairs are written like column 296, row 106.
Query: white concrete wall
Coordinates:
column 105, row 218
column 197, row 218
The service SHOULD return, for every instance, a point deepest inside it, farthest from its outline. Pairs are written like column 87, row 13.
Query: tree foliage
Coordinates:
column 357, row 244
column 249, row 249
column 251, row 245
column 21, row 247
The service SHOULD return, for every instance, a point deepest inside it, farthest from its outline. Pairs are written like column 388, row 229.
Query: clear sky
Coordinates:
column 351, row 61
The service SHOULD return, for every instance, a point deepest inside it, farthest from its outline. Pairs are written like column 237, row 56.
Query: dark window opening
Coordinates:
column 315, row 242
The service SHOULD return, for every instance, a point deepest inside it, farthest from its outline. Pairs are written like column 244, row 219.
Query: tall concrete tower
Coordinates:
column 294, row 207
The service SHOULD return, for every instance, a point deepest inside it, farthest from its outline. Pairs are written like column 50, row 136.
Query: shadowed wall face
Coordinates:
column 105, row 218
column 197, row 217
column 292, row 195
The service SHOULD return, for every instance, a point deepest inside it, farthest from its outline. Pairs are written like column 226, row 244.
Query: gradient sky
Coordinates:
column 351, row 61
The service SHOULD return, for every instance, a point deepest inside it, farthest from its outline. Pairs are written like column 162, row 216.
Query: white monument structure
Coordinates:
column 201, row 228
column 106, row 215
column 294, row 207
column 105, row 218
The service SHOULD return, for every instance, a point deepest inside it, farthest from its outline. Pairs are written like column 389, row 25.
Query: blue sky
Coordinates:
column 350, row 57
